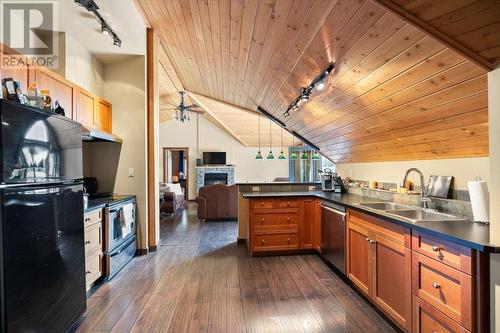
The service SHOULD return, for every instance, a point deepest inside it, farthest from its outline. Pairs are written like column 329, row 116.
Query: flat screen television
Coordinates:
column 211, row 158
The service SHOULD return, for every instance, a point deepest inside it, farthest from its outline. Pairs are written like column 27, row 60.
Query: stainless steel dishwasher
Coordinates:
column 333, row 231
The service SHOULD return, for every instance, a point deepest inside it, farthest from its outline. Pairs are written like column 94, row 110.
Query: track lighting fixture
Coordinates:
column 318, row 83
column 106, row 29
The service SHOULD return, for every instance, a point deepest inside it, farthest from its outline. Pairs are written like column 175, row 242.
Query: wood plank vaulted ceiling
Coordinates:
column 397, row 92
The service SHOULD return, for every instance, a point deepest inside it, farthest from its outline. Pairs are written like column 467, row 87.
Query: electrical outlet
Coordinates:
column 312, row 188
column 131, row 172
column 255, row 189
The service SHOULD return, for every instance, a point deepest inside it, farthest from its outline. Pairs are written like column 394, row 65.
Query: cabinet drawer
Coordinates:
column 451, row 254
column 388, row 230
column 275, row 242
column 269, row 220
column 445, row 288
column 261, row 203
column 427, row 319
column 92, row 217
column 93, row 268
column 292, row 203
column 93, row 238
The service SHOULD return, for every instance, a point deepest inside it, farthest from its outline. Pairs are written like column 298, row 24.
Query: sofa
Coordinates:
column 218, row 202
column 171, row 198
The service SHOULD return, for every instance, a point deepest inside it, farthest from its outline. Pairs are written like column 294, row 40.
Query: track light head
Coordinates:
column 295, row 106
column 117, row 42
column 87, row 4
column 104, row 30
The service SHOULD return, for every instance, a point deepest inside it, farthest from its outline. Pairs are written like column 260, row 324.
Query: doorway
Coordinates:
column 176, row 167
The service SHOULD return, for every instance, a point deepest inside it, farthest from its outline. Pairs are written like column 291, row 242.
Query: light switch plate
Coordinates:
column 131, row 172
column 255, row 189
column 312, row 188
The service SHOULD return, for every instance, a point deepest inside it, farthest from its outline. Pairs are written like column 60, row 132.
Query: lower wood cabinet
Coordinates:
column 284, row 224
column 426, row 319
column 93, row 246
column 379, row 264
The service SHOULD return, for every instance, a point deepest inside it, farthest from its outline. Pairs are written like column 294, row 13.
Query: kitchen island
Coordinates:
column 424, row 274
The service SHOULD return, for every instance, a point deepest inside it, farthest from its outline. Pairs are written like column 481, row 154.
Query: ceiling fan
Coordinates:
column 182, row 111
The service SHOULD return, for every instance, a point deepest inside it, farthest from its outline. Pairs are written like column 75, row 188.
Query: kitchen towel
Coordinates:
column 480, row 200
column 128, row 212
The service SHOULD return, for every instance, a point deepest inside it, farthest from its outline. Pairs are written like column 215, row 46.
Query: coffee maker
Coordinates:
column 331, row 182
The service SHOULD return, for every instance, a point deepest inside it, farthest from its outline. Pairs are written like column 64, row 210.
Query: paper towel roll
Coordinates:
column 480, row 200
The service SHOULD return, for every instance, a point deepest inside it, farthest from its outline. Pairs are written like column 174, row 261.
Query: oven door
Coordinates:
column 116, row 232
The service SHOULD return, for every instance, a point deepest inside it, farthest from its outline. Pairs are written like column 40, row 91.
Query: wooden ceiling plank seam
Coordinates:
column 471, row 23
column 170, row 70
column 281, row 11
column 418, row 131
column 259, row 35
column 247, row 28
column 187, row 43
column 433, row 99
column 411, row 94
column 213, row 10
column 454, row 108
column 462, row 13
column 300, row 12
column 173, row 45
column 361, row 14
column 382, row 60
column 396, row 81
column 315, row 20
column 188, row 19
column 430, row 30
column 234, row 46
column 213, row 115
column 225, row 25
column 209, row 46
column 360, row 49
column 431, row 9
column 471, row 140
column 487, row 34
column 198, row 32
column 480, row 151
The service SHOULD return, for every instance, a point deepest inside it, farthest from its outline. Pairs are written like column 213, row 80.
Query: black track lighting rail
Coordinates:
column 92, row 7
column 283, row 125
column 305, row 92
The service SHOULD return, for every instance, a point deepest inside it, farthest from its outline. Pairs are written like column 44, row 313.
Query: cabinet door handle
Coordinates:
column 87, row 242
column 87, row 219
column 371, row 241
column 262, row 220
column 436, row 285
column 262, row 241
column 288, row 203
column 288, row 219
column 288, row 240
column 436, row 248
column 88, row 272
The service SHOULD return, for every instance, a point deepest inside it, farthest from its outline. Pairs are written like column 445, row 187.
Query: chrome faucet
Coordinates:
column 424, row 198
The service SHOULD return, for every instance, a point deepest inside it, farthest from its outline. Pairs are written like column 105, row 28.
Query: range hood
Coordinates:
column 90, row 134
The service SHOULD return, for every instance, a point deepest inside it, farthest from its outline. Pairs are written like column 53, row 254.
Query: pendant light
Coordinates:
column 315, row 156
column 259, row 154
column 282, row 155
column 270, row 156
column 304, row 156
column 293, row 154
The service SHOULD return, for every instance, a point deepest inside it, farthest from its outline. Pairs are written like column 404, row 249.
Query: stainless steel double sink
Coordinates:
column 409, row 213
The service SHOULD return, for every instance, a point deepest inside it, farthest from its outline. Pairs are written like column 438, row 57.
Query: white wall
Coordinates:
column 82, row 67
column 463, row 170
column 494, row 138
column 212, row 138
column 125, row 88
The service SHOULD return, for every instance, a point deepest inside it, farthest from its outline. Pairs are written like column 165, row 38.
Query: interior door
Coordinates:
column 358, row 257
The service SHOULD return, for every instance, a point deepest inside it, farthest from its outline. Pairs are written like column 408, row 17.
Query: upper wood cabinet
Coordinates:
column 379, row 264
column 60, row 89
column 20, row 73
column 93, row 111
column 102, row 116
column 86, row 108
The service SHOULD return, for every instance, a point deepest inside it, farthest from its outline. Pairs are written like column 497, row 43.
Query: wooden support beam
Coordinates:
column 435, row 33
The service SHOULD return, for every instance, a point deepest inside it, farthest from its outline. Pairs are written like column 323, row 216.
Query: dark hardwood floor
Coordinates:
column 200, row 280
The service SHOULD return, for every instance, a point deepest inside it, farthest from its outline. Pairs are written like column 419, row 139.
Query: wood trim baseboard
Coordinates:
column 141, row 252
column 153, row 248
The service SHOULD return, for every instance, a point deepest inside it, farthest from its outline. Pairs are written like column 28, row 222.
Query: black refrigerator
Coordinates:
column 42, row 255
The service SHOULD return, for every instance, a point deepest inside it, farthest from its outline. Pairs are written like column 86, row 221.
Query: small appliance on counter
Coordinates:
column 331, row 182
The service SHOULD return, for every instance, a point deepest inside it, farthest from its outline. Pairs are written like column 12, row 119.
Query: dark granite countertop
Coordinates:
column 98, row 203
column 473, row 235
